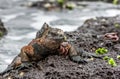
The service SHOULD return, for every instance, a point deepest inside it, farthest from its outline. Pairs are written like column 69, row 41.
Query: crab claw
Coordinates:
column 78, row 59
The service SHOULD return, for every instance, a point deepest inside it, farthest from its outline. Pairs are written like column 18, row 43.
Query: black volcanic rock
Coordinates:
column 87, row 38
column 3, row 30
column 67, row 4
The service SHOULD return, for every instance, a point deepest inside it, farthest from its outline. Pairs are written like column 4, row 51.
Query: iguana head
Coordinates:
column 51, row 33
column 57, row 34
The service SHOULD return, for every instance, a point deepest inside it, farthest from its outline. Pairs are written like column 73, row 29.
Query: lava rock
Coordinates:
column 52, row 4
column 63, row 4
column 88, row 37
column 3, row 30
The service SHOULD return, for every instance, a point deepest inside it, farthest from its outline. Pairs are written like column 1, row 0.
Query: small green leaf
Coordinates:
column 118, row 57
column 106, row 58
column 70, row 6
column 117, row 25
column 112, row 62
column 101, row 51
column 65, row 38
column 60, row 1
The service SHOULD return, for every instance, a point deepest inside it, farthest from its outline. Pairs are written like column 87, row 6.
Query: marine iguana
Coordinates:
column 48, row 41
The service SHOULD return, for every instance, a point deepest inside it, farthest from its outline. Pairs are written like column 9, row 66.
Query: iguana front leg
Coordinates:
column 85, row 54
column 22, row 60
column 76, row 54
column 68, row 49
column 73, row 55
column 25, row 52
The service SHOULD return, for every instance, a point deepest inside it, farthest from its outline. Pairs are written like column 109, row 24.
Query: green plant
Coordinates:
column 115, row 2
column 70, row 6
column 65, row 38
column 106, row 58
column 101, row 51
column 61, row 1
column 1, row 34
column 117, row 25
column 112, row 62
column 118, row 57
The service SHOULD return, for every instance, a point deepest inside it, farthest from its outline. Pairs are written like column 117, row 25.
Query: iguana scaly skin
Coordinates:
column 51, row 41
column 48, row 41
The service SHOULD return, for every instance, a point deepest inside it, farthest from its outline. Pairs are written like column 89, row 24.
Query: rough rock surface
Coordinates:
column 51, row 5
column 66, row 4
column 3, row 30
column 87, row 37
column 92, row 0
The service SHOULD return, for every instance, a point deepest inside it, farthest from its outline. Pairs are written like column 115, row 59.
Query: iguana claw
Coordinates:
column 25, row 65
column 90, row 55
column 78, row 59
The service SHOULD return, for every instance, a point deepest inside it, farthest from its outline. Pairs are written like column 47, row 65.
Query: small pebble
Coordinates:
column 9, row 78
column 90, row 59
column 21, row 73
